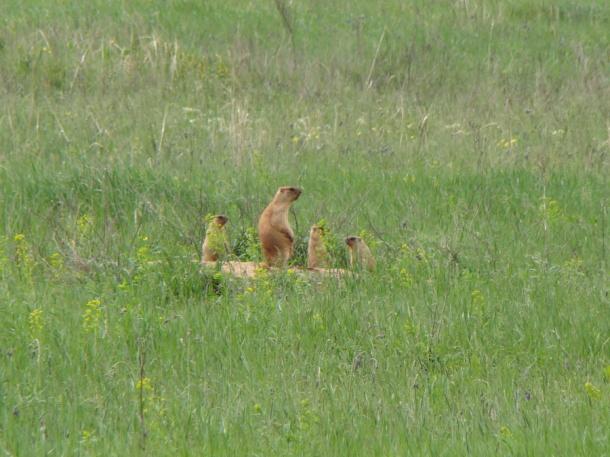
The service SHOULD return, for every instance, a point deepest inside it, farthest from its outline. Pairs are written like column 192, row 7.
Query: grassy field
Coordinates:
column 467, row 141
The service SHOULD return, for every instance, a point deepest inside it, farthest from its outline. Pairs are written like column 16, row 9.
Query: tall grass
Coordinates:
column 466, row 141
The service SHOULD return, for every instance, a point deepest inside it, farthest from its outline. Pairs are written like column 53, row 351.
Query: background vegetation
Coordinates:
column 467, row 141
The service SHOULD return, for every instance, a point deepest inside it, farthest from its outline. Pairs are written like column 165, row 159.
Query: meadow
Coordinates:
column 467, row 141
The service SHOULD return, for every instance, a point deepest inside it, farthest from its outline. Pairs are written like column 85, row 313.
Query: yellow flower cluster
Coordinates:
column 505, row 432
column 23, row 256
column 507, row 143
column 88, row 436
column 56, row 261
column 84, row 225
column 144, row 384
column 36, row 322
column 92, row 315
column 593, row 392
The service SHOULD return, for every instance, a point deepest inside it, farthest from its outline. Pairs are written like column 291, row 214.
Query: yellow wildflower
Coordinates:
column 144, row 384
column 593, row 392
column 92, row 315
column 505, row 432
column 35, row 322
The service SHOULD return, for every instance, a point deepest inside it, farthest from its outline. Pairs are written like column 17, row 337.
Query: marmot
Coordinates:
column 216, row 244
column 317, row 255
column 359, row 253
column 274, row 230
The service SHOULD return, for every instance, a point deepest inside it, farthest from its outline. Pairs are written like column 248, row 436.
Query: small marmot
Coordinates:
column 274, row 231
column 359, row 253
column 216, row 244
column 317, row 255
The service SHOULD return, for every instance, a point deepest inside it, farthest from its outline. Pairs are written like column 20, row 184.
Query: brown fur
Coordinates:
column 360, row 255
column 317, row 255
column 216, row 229
column 274, row 231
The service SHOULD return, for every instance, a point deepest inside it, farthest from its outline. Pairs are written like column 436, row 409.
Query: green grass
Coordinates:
column 466, row 141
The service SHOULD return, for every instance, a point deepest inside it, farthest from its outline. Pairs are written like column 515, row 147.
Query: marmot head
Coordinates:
column 316, row 231
column 352, row 241
column 288, row 194
column 220, row 220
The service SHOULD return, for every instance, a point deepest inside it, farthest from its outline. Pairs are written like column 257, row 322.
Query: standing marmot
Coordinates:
column 317, row 255
column 274, row 230
column 216, row 244
column 359, row 253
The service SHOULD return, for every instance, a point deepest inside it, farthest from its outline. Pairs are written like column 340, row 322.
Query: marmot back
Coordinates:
column 274, row 231
column 317, row 255
column 360, row 255
column 215, row 245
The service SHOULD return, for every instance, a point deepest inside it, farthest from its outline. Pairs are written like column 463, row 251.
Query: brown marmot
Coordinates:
column 216, row 244
column 274, row 231
column 359, row 253
column 317, row 255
